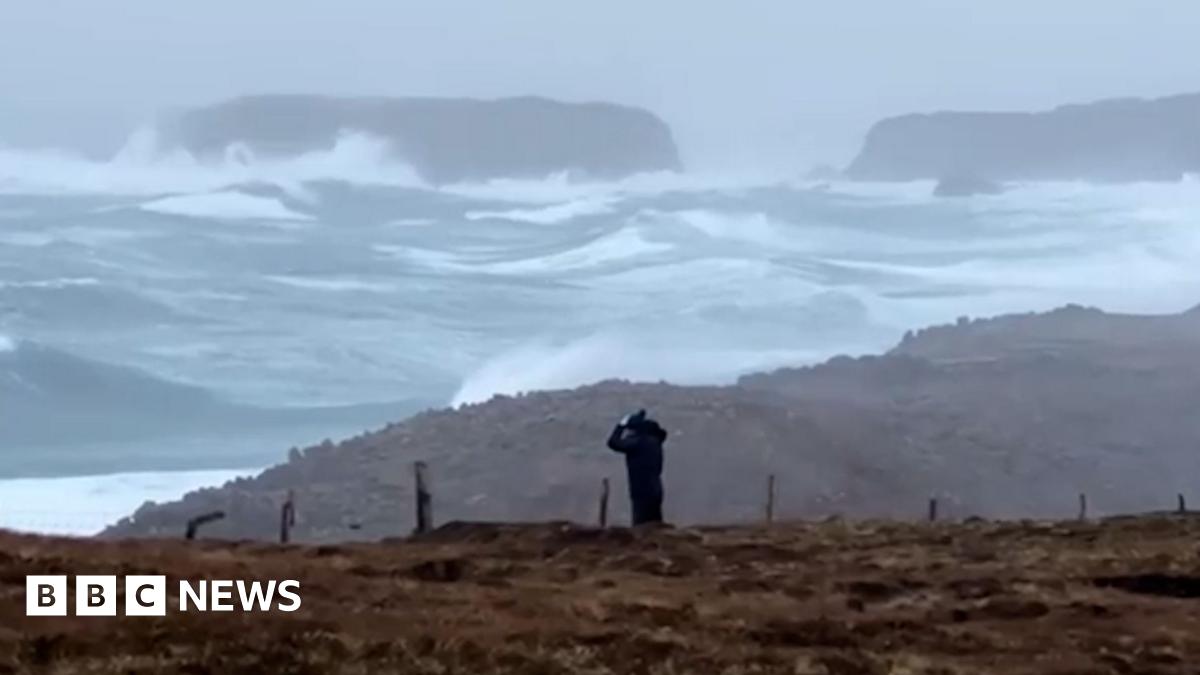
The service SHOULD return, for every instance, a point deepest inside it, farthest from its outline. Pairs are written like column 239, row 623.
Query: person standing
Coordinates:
column 641, row 441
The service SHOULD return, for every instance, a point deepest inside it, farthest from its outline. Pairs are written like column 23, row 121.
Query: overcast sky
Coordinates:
column 744, row 83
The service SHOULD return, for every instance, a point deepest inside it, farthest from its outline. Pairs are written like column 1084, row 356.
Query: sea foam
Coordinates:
column 224, row 206
column 84, row 505
column 144, row 168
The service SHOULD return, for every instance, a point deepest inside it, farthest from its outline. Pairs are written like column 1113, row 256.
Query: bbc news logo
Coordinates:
column 146, row 595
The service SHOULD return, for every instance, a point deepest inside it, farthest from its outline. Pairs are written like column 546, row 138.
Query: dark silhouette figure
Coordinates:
column 641, row 441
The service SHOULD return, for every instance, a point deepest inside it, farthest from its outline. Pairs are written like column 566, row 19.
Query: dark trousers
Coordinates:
column 647, row 510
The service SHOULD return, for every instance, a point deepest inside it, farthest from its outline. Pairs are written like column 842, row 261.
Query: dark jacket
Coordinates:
column 642, row 445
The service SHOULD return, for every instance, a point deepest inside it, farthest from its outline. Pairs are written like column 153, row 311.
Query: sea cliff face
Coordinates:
column 445, row 140
column 1119, row 140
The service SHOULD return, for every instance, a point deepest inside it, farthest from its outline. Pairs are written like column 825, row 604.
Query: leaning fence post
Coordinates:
column 1082, row 506
column 1182, row 504
column 933, row 509
column 287, row 518
column 424, row 499
column 194, row 524
column 770, row 499
column 604, row 503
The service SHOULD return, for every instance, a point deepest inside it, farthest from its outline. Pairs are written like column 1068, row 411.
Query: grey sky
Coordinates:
column 746, row 83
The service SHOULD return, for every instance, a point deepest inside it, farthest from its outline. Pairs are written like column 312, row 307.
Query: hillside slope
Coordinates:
column 1010, row 417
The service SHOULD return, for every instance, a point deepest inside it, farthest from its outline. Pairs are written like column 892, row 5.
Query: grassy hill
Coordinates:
column 1118, row 596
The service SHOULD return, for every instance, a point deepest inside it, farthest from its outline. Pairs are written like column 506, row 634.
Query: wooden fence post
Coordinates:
column 424, row 500
column 933, row 509
column 770, row 499
column 287, row 518
column 1082, row 506
column 1182, row 504
column 194, row 524
column 604, row 503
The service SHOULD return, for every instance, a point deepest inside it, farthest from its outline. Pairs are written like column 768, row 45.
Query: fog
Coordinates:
column 748, row 84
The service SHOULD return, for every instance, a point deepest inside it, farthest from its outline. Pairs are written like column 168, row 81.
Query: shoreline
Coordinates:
column 84, row 505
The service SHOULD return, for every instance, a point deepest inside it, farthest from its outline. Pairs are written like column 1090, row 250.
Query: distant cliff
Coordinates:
column 1117, row 140
column 445, row 140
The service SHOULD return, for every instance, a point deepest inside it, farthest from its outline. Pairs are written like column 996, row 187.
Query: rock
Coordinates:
column 444, row 140
column 1119, row 140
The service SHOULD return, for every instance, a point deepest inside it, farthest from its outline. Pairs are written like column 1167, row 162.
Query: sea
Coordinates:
column 340, row 280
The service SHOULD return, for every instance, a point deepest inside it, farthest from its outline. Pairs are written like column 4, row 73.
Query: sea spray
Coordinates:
column 144, row 169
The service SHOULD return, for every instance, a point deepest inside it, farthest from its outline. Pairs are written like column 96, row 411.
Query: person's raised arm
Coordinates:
column 618, row 441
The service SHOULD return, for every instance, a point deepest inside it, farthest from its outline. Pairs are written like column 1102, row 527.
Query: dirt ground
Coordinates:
column 1119, row 596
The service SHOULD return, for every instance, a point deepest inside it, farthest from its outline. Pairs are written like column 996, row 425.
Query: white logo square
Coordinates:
column 145, row 595
column 95, row 595
column 46, row 595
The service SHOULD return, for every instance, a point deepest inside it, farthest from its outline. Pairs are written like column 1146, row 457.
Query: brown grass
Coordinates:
column 1122, row 596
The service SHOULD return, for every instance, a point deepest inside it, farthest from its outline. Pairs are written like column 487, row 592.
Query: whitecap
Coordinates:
column 410, row 222
column 332, row 284
column 224, row 206
column 145, row 168
column 561, row 187
column 624, row 246
column 553, row 214
column 52, row 284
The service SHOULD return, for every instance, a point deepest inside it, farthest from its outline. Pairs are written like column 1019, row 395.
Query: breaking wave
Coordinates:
column 224, row 206
column 143, row 167
column 543, row 365
column 550, row 215
column 359, row 283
